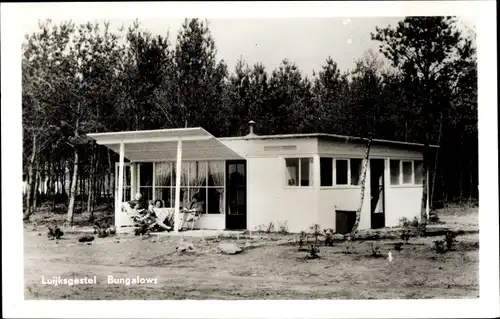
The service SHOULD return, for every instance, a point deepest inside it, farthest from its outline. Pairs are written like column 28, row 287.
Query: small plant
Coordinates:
column 433, row 218
column 303, row 241
column 283, row 228
column 270, row 228
column 315, row 232
column 398, row 246
column 409, row 228
column 439, row 246
column 313, row 252
column 376, row 250
column 328, row 237
column 54, row 232
column 450, row 239
column 348, row 247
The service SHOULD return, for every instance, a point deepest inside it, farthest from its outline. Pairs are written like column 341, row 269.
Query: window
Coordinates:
column 395, row 172
column 326, row 171
column 298, row 171
column 356, row 171
column 418, row 167
column 341, row 169
column 407, row 172
column 347, row 171
column 146, row 180
column 197, row 177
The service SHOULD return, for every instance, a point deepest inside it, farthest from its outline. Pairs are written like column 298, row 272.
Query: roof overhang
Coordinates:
column 161, row 145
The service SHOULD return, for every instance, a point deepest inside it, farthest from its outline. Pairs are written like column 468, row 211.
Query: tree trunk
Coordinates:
column 108, row 192
column 363, row 183
column 36, row 187
column 423, row 207
column 436, row 160
column 29, row 189
column 461, row 166
column 72, row 194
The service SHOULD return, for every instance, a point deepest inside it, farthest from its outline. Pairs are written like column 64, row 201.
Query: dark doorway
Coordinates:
column 377, row 202
column 236, row 195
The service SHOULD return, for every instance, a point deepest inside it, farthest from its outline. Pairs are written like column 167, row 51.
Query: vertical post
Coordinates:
column 133, row 182
column 119, row 199
column 178, row 185
column 154, row 181
column 427, row 199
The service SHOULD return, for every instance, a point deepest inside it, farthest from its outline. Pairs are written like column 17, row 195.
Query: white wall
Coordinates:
column 210, row 221
column 270, row 200
column 402, row 201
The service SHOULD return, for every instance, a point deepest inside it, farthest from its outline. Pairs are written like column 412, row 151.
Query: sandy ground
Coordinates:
column 268, row 272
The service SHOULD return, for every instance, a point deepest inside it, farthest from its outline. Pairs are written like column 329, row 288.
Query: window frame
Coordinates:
column 349, row 173
column 188, row 187
column 401, row 177
column 299, row 171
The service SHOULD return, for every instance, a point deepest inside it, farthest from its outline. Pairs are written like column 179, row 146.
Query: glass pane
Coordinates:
column 201, row 176
column 126, row 194
column 146, row 174
column 235, row 178
column 292, row 171
column 184, row 173
column 419, row 177
column 341, row 172
column 241, row 169
column 305, row 172
column 407, row 173
column 201, row 192
column 215, row 200
column 128, row 177
column 147, row 192
column 164, row 194
column 216, row 173
column 326, row 171
column 163, row 174
column 394, row 167
column 356, row 169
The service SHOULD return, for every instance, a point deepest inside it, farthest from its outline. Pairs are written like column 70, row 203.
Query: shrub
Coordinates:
column 439, row 246
column 398, row 246
column 328, row 237
column 270, row 227
column 315, row 232
column 450, row 240
column 302, row 241
column 313, row 252
column 409, row 228
column 283, row 227
column 376, row 250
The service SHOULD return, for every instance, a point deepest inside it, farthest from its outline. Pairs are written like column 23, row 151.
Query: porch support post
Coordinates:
column 427, row 199
column 119, row 198
column 178, row 185
column 133, row 177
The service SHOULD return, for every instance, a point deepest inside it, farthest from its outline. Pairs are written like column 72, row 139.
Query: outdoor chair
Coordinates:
column 191, row 215
column 162, row 214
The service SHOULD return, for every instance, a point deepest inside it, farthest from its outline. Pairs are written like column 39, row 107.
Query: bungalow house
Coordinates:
column 254, row 180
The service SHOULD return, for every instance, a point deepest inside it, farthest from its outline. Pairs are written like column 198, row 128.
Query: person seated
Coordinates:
column 139, row 203
column 195, row 207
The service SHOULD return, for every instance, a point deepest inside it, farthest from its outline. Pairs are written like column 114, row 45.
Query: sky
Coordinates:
column 308, row 42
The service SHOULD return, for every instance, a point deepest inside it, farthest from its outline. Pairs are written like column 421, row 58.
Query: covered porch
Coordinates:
column 172, row 165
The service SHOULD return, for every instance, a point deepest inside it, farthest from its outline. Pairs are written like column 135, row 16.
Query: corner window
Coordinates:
column 407, row 172
column 341, row 172
column 326, row 168
column 418, row 167
column 298, row 171
column 356, row 171
column 395, row 172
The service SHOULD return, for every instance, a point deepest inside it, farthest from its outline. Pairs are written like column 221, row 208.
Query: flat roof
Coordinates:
column 344, row 138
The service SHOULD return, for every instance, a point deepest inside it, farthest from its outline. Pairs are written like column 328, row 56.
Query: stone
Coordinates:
column 229, row 248
column 185, row 246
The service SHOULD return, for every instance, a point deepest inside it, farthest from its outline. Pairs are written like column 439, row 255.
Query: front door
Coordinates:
column 377, row 201
column 236, row 195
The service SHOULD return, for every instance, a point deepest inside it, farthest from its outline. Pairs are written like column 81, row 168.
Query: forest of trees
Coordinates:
column 78, row 79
